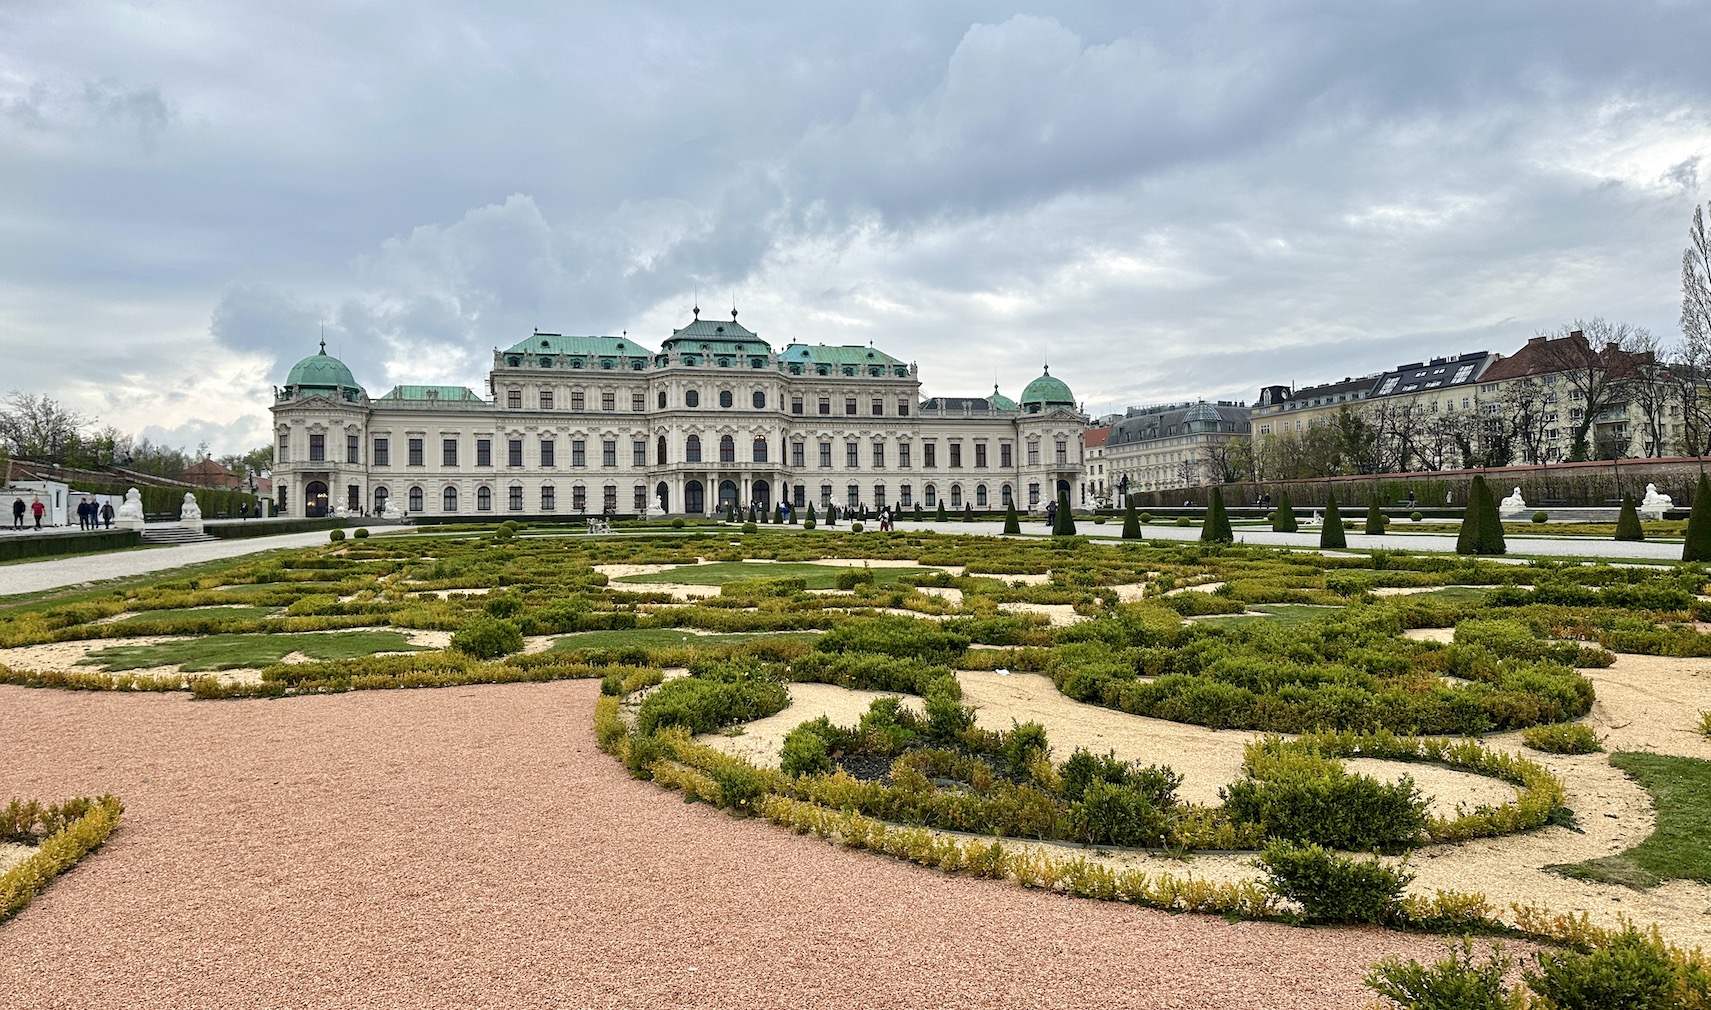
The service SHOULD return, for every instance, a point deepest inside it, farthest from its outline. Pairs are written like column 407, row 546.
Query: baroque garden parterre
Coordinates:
column 1323, row 690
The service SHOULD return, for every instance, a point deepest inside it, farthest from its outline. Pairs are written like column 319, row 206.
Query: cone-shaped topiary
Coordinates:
column 1216, row 529
column 1283, row 520
column 1628, row 522
column 968, row 512
column 1482, row 527
column 1374, row 517
column 917, row 511
column 1011, row 523
column 1467, row 541
column 812, row 518
column 941, row 516
column 1331, row 534
column 1698, row 545
column 1491, row 525
column 1131, row 522
column 1065, row 523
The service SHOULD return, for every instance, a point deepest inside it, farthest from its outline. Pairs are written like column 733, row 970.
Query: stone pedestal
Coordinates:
column 193, row 525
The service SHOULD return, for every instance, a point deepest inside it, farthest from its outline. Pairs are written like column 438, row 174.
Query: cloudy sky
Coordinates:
column 1166, row 201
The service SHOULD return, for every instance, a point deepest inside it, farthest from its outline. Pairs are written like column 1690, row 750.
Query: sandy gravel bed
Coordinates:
column 1060, row 614
column 12, row 855
column 762, row 741
column 315, row 852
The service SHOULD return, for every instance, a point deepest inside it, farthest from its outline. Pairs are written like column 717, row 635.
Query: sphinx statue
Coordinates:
column 1513, row 504
column 1656, row 503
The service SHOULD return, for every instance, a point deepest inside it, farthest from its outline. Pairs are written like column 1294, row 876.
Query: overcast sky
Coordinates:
column 1176, row 202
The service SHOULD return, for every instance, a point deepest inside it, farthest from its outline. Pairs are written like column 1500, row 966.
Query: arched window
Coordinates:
column 980, row 496
column 662, row 399
column 448, row 499
column 1009, row 495
column 725, row 398
column 760, row 450
column 930, row 494
column 760, row 400
column 956, row 496
column 692, row 449
column 825, row 496
column 380, row 496
column 691, row 398
column 661, row 452
column 727, row 449
column 484, row 499
column 415, row 499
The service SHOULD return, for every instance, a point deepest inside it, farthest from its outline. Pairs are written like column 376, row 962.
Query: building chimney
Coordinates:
column 1539, row 341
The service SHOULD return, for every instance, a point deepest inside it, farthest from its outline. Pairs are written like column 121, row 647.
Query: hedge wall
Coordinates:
column 13, row 548
column 215, row 502
column 270, row 527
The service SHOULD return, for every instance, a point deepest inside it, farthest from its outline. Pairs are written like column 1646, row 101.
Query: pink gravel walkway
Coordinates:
column 472, row 848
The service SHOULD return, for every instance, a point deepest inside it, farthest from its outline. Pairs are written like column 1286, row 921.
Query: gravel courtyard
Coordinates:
column 471, row 847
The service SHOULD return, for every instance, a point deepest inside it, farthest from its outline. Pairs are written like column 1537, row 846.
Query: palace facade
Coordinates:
column 716, row 417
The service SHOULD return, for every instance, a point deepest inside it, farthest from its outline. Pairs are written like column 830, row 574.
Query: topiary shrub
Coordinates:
column 806, row 751
column 1331, row 534
column 750, row 528
column 677, row 524
column 1217, row 527
column 1374, row 517
column 1146, row 517
column 361, row 533
column 1333, row 888
column 1183, row 522
column 336, row 535
column 1540, row 517
column 1418, row 517
column 1065, row 524
column 1628, row 521
column 968, row 512
column 855, row 527
column 1283, row 518
column 849, row 578
column 1012, row 522
column 1481, row 526
column 1562, row 738
column 941, row 515
column 1698, row 542
column 1455, row 983
column 488, row 638
column 1131, row 522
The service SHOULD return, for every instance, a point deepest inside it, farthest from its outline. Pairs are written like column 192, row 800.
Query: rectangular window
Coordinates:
column 415, row 452
column 576, row 401
column 284, row 454
column 1033, row 495
column 514, row 454
column 903, row 408
column 1062, row 451
column 796, row 405
column 609, row 403
column 514, row 399
column 609, row 457
column 903, row 454
column 1033, row 454
column 825, row 405
column 852, row 496
column 798, row 454
column 1006, row 455
column 609, row 498
column 578, row 452
column 448, row 452
column 929, row 454
column 639, row 500
column 852, row 455
column 579, row 498
column 515, row 503
column 484, row 452
column 825, row 496
column 849, row 405
column 549, row 498
column 801, row 496
column 980, row 454
column 956, row 454
column 549, row 452
column 638, row 403
column 382, row 452
column 878, row 454
column 825, row 454
column 879, row 496
column 353, row 449
column 638, row 454
column 317, row 448
column 878, row 407
column 906, row 495
column 546, row 399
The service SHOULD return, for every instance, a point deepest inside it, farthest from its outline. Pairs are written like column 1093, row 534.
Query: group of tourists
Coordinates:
column 35, row 508
column 91, row 515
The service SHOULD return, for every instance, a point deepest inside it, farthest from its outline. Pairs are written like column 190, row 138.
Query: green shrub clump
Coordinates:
column 488, row 638
column 1296, row 794
column 1562, row 738
column 1331, row 887
column 1454, row 983
column 336, row 535
column 1541, row 517
column 715, row 694
column 807, row 750
column 361, row 533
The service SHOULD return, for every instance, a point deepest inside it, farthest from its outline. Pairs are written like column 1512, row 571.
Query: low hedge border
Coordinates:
column 12, row 549
column 58, row 853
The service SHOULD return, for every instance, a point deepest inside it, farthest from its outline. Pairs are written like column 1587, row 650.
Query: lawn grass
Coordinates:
column 204, row 613
column 1286, row 615
column 664, row 638
column 1454, row 594
column 230, row 652
column 1679, row 847
column 720, row 572
column 244, row 590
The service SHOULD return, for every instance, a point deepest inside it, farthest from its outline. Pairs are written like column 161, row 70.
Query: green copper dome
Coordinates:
column 321, row 371
column 1045, row 392
column 1001, row 402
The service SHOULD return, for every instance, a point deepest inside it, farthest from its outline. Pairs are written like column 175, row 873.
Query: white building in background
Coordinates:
column 716, row 417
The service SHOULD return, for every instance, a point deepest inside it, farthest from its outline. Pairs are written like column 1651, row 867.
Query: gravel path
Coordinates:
column 472, row 848
column 52, row 573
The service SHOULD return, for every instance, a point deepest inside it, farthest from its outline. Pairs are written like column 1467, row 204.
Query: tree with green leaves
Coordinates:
column 1374, row 516
column 1064, row 526
column 1698, row 545
column 1331, row 534
column 1216, row 528
column 1628, row 521
column 1283, row 520
column 1012, row 524
column 1131, row 522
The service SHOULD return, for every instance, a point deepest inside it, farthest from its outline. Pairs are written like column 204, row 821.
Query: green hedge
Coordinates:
column 215, row 502
column 11, row 549
column 273, row 527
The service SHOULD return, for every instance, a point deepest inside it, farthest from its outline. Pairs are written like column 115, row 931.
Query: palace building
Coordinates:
column 716, row 417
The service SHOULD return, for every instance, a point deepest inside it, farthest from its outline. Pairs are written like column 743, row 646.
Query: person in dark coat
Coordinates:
column 1051, row 513
column 107, row 514
column 17, row 513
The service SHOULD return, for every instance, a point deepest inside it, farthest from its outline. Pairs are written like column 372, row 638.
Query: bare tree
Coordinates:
column 1693, row 369
column 1526, row 412
column 39, row 427
column 1653, row 391
column 1594, row 360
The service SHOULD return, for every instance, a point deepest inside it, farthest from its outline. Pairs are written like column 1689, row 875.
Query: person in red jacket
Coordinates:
column 36, row 509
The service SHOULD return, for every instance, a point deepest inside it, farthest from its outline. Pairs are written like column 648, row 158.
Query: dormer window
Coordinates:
column 514, row 361
column 546, row 361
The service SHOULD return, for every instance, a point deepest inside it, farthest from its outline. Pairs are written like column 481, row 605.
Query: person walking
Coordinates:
column 36, row 509
column 107, row 514
column 1051, row 514
column 17, row 513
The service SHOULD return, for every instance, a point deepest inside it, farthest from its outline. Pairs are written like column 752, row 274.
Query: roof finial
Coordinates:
column 697, row 311
column 323, row 345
